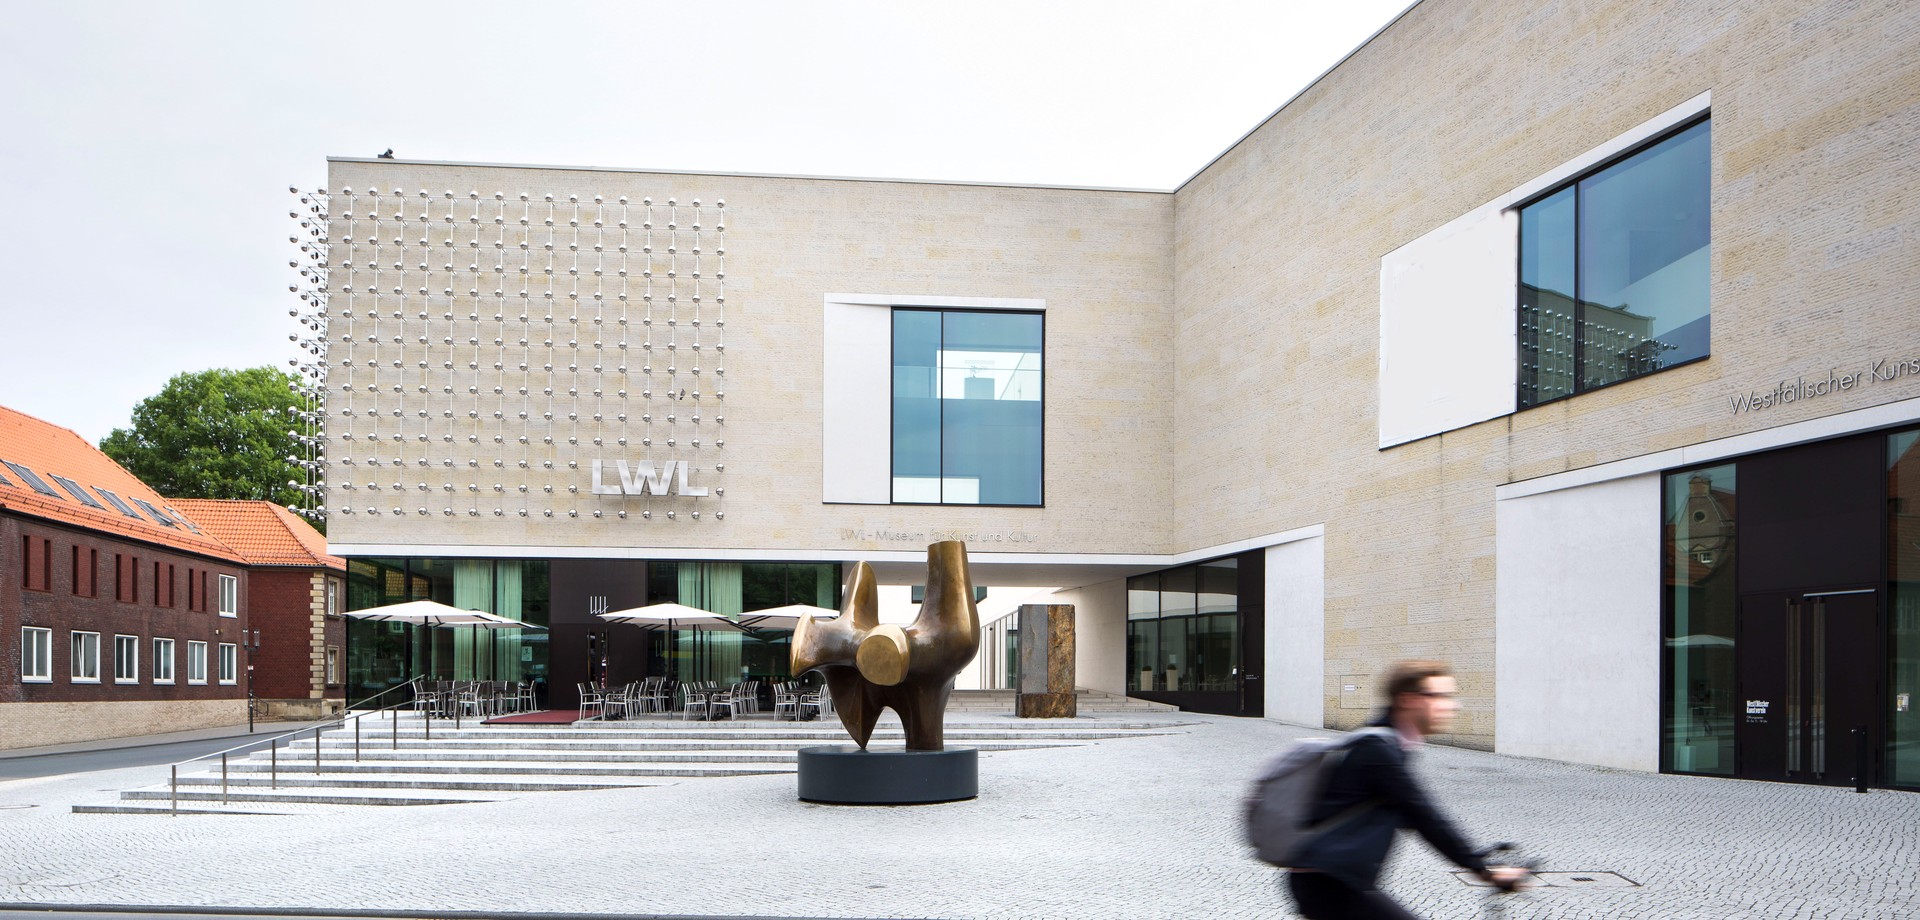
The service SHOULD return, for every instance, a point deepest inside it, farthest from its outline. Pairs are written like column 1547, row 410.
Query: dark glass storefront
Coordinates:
column 1792, row 595
column 1196, row 638
column 576, row 646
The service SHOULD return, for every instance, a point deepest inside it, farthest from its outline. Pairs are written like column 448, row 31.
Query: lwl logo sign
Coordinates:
column 642, row 478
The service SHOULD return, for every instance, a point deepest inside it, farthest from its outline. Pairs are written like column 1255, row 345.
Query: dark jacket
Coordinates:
column 1375, row 769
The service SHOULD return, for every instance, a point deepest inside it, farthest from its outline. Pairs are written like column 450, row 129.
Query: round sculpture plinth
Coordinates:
column 843, row 774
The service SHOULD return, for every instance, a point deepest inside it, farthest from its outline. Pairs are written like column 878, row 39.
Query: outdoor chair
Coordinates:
column 786, row 701
column 591, row 699
column 694, row 699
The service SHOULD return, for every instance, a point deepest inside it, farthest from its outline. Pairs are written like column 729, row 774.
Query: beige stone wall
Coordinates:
column 35, row 724
column 1100, row 260
column 1816, row 137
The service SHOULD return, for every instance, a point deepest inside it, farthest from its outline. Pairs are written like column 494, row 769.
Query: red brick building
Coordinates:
column 119, row 614
column 295, row 590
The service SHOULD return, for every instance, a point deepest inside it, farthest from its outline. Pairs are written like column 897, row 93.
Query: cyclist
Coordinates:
column 1370, row 795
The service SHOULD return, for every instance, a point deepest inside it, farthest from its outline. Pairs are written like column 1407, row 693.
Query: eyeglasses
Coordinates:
column 1436, row 694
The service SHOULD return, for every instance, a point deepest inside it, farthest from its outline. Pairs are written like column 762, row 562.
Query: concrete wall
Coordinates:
column 1578, row 628
column 1296, row 631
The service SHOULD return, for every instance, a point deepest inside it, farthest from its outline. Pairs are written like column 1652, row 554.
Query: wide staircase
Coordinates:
column 398, row 759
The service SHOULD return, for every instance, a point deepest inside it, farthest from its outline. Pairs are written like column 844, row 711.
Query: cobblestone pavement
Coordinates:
column 1137, row 827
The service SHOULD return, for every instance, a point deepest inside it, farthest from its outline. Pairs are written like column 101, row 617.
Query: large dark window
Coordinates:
column 1183, row 629
column 1903, row 532
column 1613, row 271
column 966, row 407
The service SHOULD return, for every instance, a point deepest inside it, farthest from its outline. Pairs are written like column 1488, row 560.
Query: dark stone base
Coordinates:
column 1046, row 706
column 842, row 774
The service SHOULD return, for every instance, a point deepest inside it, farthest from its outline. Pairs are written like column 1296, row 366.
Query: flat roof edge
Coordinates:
column 752, row 175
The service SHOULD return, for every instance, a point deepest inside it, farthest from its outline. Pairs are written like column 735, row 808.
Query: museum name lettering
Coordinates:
column 1885, row 370
column 641, row 477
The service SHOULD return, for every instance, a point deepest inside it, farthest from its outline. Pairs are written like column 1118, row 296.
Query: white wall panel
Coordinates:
column 1577, row 621
column 856, row 446
column 1296, row 631
column 1447, row 315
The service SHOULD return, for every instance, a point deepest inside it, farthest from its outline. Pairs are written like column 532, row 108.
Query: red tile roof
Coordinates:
column 262, row 532
column 50, row 450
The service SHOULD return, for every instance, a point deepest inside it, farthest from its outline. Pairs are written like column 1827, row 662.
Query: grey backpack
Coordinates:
column 1283, row 797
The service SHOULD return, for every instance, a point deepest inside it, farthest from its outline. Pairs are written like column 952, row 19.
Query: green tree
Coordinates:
column 216, row 434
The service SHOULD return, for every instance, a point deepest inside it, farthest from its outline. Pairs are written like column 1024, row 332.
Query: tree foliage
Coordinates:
column 215, row 434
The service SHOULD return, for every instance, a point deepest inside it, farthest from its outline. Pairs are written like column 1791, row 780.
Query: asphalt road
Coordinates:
column 37, row 765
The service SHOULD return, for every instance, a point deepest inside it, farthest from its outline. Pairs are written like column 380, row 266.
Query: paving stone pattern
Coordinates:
column 1123, row 828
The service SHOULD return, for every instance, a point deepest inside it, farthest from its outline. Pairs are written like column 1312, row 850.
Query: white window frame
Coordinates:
column 83, row 656
column 229, row 596
column 126, row 659
column 164, row 655
column 333, row 665
column 196, row 661
column 229, row 663
column 36, row 655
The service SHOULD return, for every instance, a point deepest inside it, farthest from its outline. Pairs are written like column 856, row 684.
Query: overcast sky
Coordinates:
column 146, row 148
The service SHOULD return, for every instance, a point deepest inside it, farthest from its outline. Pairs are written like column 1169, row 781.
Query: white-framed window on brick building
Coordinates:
column 196, row 661
column 229, row 662
column 333, row 665
column 163, row 661
column 126, row 659
column 229, row 596
column 36, row 655
column 84, row 657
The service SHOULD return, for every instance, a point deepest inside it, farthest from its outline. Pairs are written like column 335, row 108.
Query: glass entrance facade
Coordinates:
column 1792, row 614
column 1187, row 641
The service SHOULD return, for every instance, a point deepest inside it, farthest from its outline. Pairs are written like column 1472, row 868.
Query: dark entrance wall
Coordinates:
column 1813, row 516
column 572, row 625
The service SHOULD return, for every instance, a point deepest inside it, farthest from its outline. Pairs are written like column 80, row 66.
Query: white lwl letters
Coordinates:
column 641, row 478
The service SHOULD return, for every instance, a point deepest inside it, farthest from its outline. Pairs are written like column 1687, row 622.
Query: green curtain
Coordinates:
column 824, row 587
column 507, row 592
column 472, row 590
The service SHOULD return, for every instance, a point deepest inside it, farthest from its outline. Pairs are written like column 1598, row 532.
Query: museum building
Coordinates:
column 1576, row 346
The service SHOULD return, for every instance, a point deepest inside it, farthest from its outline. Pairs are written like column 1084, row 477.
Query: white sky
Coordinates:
column 146, row 148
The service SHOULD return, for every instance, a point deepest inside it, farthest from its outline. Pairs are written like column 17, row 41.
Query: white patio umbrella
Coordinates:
column 786, row 617
column 673, row 617
column 670, row 616
column 421, row 613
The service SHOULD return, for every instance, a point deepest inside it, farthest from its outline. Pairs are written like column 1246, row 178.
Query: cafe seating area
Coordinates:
column 660, row 697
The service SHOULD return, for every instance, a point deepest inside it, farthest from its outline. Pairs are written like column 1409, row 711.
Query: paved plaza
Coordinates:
column 1125, row 828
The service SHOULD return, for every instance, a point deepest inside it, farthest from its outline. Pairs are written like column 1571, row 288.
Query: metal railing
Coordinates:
column 273, row 743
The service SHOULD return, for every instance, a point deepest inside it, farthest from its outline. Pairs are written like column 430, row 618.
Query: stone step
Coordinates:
column 458, row 767
column 450, row 780
column 342, row 796
column 586, row 753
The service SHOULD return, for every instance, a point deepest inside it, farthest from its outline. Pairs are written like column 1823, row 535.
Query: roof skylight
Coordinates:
column 74, row 489
column 33, row 479
column 155, row 513
column 119, row 503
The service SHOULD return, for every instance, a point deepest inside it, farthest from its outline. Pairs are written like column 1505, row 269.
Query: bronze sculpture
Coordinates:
column 870, row 666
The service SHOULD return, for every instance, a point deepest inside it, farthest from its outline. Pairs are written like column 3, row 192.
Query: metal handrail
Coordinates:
column 273, row 743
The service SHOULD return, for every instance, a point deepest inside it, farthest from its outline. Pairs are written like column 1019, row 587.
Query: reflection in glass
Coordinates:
column 1183, row 629
column 1903, row 523
column 1546, row 299
column 1614, row 271
column 966, row 407
column 1643, row 260
column 1698, row 563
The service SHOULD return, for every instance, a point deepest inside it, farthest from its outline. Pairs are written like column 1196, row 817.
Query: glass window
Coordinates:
column 1613, row 271
column 1698, row 564
column 1183, row 629
column 229, row 596
column 163, row 661
column 196, row 662
column 36, row 655
column 333, row 665
column 1903, row 522
column 229, row 662
column 967, row 407
column 85, row 658
column 126, row 659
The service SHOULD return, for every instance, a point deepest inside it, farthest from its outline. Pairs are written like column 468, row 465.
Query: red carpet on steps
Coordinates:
column 543, row 717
